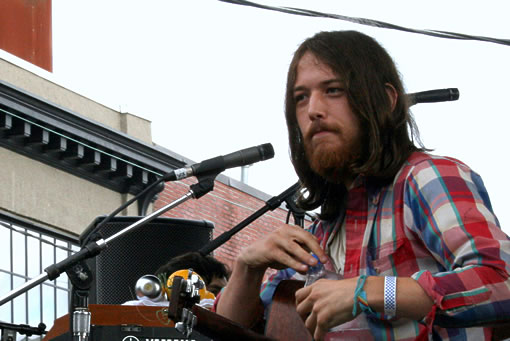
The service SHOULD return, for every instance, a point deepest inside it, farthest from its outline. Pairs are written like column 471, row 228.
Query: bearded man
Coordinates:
column 412, row 235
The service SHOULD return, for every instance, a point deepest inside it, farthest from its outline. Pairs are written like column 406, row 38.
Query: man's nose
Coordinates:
column 316, row 107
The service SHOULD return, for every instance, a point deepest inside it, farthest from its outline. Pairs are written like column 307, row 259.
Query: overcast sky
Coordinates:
column 211, row 75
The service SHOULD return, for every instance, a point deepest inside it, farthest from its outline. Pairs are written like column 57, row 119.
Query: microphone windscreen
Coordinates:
column 266, row 151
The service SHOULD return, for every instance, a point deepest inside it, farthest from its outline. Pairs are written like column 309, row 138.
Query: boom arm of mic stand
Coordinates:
column 271, row 204
column 94, row 248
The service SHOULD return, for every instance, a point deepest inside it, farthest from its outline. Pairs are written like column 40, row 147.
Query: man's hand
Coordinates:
column 325, row 304
column 287, row 247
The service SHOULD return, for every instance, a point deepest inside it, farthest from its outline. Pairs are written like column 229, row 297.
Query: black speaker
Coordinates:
column 139, row 252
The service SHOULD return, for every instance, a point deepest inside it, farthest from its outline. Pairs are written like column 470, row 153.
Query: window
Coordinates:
column 25, row 252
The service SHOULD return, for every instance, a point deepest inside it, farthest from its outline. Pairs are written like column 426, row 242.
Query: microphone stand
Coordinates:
column 183, row 298
column 77, row 271
column 271, row 204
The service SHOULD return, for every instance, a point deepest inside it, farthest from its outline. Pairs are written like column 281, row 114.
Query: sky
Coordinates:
column 210, row 75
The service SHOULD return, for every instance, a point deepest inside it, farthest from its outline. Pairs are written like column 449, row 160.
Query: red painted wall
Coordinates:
column 225, row 206
column 25, row 30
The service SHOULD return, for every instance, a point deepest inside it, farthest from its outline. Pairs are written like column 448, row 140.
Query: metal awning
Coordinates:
column 68, row 141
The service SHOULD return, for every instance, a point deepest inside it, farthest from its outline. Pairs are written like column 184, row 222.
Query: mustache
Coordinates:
column 318, row 126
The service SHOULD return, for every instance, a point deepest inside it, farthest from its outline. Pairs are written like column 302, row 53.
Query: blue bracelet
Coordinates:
column 360, row 297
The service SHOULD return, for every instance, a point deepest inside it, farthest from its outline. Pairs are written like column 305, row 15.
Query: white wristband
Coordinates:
column 390, row 296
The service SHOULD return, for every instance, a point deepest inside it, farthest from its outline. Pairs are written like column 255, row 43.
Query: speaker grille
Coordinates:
column 139, row 252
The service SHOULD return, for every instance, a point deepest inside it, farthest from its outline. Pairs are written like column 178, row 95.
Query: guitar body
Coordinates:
column 284, row 323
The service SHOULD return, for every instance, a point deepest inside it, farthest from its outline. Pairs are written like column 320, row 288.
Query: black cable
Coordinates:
column 370, row 22
column 119, row 209
column 287, row 220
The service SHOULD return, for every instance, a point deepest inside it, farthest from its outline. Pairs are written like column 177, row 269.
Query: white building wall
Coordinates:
column 34, row 190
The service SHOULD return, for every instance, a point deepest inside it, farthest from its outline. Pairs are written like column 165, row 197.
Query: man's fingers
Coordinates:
column 309, row 243
column 296, row 245
column 303, row 306
column 281, row 258
column 319, row 334
column 311, row 322
column 289, row 246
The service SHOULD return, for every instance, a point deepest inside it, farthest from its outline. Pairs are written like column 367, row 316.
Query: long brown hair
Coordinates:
column 387, row 136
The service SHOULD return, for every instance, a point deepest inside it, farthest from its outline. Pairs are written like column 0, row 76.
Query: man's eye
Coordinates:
column 299, row 97
column 334, row 90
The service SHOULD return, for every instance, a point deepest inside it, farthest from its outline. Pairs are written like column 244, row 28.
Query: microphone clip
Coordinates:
column 204, row 185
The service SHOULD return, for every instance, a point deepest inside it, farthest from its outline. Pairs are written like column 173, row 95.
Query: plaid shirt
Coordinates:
column 434, row 223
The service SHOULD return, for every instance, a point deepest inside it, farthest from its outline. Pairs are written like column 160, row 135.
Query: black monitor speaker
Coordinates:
column 139, row 252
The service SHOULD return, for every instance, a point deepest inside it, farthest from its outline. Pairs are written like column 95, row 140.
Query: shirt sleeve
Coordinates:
column 269, row 286
column 448, row 208
column 267, row 289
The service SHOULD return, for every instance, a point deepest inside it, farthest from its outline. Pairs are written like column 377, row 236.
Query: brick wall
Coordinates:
column 225, row 206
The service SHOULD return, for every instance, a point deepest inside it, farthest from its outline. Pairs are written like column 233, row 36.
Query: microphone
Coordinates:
column 431, row 96
column 220, row 163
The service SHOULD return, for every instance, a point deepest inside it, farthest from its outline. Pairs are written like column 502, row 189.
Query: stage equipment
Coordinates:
column 118, row 267
column 76, row 265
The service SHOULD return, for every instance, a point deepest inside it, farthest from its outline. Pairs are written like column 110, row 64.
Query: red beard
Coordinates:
column 331, row 158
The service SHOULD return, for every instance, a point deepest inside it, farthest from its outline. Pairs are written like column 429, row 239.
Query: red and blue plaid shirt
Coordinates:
column 434, row 223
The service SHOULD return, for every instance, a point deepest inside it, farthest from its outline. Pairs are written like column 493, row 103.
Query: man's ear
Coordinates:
column 392, row 95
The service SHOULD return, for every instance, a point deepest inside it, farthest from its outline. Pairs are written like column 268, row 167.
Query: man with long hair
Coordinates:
column 412, row 235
